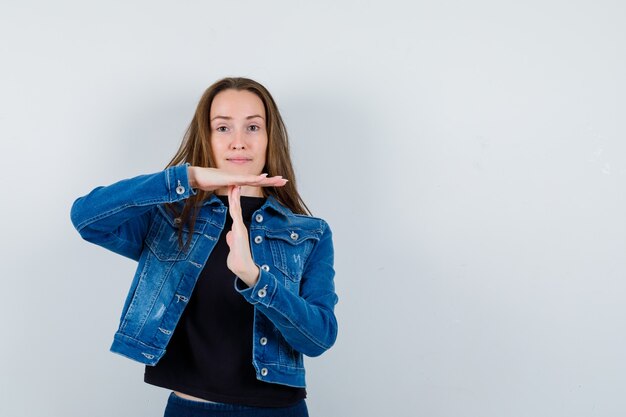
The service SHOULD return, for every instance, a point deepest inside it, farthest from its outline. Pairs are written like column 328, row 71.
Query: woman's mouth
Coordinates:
column 238, row 160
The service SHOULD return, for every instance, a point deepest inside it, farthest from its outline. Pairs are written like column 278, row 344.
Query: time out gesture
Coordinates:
column 215, row 179
column 239, row 259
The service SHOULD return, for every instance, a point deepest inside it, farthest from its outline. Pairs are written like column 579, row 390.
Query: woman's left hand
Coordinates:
column 239, row 259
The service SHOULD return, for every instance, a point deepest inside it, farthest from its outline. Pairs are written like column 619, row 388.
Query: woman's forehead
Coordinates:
column 237, row 104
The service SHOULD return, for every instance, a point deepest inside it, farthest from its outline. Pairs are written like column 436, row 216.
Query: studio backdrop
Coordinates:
column 470, row 157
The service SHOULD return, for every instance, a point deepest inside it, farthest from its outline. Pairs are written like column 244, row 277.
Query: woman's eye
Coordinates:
column 221, row 129
column 254, row 128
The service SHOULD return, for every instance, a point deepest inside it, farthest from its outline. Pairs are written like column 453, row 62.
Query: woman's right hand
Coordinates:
column 210, row 179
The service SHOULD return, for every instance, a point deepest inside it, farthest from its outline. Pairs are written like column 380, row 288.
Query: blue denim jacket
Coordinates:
column 294, row 297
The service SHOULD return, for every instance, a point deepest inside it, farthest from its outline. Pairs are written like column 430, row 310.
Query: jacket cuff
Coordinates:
column 178, row 182
column 262, row 292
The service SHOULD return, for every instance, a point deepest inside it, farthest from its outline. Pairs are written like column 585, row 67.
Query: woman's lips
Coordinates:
column 239, row 160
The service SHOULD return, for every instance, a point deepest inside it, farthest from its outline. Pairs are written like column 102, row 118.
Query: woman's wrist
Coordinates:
column 250, row 277
column 191, row 176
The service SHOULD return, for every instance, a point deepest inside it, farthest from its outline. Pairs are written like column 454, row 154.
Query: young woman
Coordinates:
column 235, row 278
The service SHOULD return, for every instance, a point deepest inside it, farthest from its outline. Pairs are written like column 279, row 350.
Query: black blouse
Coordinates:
column 210, row 353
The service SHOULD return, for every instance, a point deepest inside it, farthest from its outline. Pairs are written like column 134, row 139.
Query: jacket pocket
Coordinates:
column 162, row 237
column 290, row 250
column 287, row 355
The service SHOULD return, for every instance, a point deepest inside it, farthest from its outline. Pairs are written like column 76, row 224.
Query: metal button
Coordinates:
column 180, row 189
column 258, row 218
column 258, row 239
column 262, row 293
column 294, row 235
column 263, row 341
column 265, row 268
column 177, row 220
column 264, row 372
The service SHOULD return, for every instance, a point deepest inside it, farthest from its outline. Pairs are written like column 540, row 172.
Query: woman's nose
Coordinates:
column 238, row 142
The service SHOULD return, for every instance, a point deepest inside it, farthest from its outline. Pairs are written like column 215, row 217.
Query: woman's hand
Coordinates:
column 239, row 258
column 210, row 179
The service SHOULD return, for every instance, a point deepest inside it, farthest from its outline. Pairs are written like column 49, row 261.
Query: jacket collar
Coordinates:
column 274, row 204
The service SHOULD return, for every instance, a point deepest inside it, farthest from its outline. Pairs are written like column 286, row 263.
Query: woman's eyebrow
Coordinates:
column 230, row 118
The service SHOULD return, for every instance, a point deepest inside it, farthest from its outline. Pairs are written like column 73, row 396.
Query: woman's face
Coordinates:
column 238, row 132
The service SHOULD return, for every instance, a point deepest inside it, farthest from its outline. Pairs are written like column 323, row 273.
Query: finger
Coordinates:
column 273, row 182
column 234, row 204
column 257, row 180
column 248, row 179
column 231, row 200
column 277, row 181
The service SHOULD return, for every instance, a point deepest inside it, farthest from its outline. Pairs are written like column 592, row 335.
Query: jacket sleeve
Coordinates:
column 117, row 216
column 306, row 321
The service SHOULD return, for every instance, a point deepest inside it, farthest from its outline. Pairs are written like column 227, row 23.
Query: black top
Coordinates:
column 210, row 353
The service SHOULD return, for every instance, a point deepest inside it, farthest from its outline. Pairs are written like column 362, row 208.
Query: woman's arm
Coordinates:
column 307, row 321
column 117, row 216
